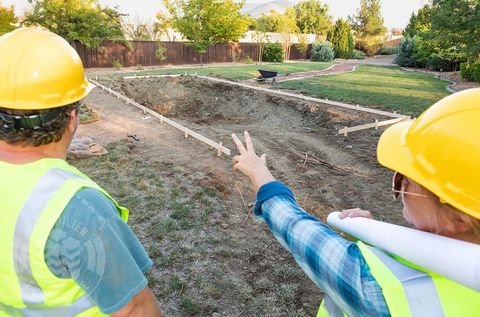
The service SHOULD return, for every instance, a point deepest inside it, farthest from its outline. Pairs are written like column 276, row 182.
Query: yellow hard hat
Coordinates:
column 39, row 70
column 440, row 150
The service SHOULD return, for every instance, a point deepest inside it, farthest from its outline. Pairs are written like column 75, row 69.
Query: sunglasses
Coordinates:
column 397, row 187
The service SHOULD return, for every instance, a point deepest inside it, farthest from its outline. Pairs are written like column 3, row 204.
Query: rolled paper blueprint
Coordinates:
column 454, row 259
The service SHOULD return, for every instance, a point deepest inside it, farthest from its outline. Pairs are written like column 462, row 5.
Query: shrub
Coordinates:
column 273, row 52
column 160, row 52
column 322, row 52
column 248, row 60
column 358, row 54
column 405, row 53
column 470, row 71
column 341, row 38
column 388, row 50
column 116, row 63
column 436, row 62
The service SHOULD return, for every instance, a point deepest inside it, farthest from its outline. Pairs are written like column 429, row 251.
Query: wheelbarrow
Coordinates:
column 267, row 75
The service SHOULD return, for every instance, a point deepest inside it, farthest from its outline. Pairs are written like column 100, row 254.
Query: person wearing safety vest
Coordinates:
column 437, row 175
column 66, row 249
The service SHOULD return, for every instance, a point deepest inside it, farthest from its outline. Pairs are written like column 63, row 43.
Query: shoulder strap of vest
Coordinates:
column 407, row 291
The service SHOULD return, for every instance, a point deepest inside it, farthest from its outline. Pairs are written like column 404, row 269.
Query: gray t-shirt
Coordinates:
column 92, row 245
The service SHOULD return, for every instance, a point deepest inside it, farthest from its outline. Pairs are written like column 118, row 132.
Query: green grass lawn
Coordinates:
column 237, row 72
column 388, row 88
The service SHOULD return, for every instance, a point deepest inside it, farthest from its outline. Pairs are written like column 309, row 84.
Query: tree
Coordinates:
column 261, row 39
column 77, row 20
column 312, row 17
column 302, row 44
column 342, row 39
column 419, row 23
column 287, row 26
column 7, row 19
column 268, row 23
column 444, row 34
column 455, row 29
column 164, row 24
column 368, row 25
column 137, row 30
column 207, row 22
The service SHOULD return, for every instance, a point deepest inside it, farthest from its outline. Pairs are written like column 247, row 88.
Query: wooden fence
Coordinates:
column 176, row 53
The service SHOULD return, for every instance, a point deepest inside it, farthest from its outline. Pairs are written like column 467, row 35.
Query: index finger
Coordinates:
column 248, row 142
column 239, row 144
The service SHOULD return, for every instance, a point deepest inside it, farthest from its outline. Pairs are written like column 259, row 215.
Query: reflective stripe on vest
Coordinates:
column 418, row 286
column 31, row 211
column 82, row 304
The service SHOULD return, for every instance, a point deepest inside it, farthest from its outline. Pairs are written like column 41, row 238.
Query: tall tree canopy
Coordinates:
column 77, row 20
column 268, row 23
column 342, row 39
column 368, row 25
column 312, row 17
column 455, row 28
column 137, row 30
column 419, row 22
column 443, row 35
column 7, row 19
column 207, row 22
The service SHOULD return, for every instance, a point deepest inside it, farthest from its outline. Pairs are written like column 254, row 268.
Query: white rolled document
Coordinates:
column 454, row 259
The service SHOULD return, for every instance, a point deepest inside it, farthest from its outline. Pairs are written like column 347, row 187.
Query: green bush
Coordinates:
column 116, row 63
column 405, row 53
column 322, row 52
column 273, row 52
column 160, row 52
column 388, row 50
column 358, row 54
column 470, row 71
column 436, row 62
column 248, row 60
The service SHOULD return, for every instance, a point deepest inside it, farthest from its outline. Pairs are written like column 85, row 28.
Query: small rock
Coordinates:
column 224, row 225
column 349, row 146
column 216, row 315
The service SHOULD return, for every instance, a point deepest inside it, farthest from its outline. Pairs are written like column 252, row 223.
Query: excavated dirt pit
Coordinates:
column 254, row 276
column 300, row 138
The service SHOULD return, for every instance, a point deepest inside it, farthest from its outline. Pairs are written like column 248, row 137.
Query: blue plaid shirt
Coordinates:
column 336, row 265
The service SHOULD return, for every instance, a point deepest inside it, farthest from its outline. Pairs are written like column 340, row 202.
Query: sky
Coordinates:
column 396, row 13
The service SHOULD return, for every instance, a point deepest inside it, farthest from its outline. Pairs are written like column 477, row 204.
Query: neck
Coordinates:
column 15, row 154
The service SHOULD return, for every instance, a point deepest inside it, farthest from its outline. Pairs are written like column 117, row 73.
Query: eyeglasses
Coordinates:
column 397, row 187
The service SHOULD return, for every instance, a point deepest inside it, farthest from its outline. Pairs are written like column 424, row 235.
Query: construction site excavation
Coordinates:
column 192, row 211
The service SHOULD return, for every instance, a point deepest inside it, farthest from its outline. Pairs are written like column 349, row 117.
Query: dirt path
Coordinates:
column 334, row 69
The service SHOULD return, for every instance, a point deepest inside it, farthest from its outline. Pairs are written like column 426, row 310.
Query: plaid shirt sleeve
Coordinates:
column 335, row 265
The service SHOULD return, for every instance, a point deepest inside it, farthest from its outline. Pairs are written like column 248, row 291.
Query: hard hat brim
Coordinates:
column 392, row 149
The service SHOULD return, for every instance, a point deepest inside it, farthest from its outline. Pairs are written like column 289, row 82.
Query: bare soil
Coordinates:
column 234, row 266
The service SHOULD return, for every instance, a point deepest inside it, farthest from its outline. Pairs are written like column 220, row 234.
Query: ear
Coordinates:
column 463, row 225
column 72, row 121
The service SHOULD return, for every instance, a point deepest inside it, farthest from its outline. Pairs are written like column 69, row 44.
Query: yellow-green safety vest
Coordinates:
column 33, row 196
column 411, row 291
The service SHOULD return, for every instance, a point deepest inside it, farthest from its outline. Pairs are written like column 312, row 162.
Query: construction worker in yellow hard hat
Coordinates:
column 65, row 247
column 435, row 159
